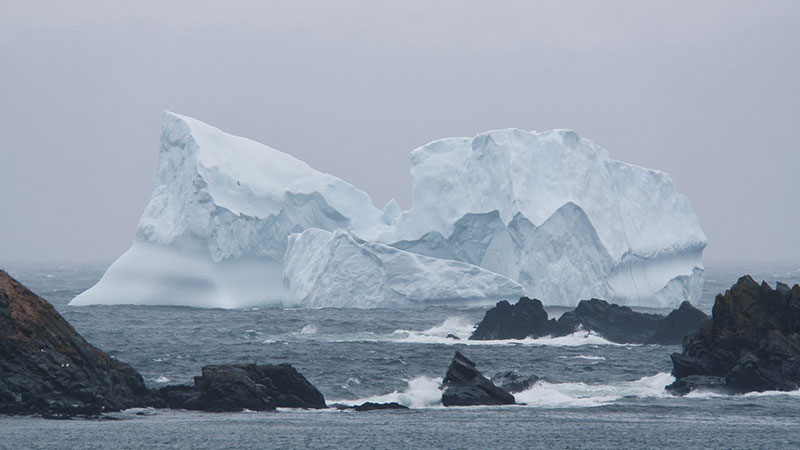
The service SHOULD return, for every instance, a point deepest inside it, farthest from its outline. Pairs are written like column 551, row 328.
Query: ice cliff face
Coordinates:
column 234, row 223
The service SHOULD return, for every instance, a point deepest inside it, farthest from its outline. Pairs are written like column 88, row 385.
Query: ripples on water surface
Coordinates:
column 594, row 394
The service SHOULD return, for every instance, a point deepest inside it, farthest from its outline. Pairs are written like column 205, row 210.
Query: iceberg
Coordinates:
column 606, row 228
column 336, row 269
column 215, row 230
column 233, row 223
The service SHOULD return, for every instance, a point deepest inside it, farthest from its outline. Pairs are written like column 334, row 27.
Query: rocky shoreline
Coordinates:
column 750, row 343
column 47, row 368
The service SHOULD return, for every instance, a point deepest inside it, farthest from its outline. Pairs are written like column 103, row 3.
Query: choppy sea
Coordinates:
column 595, row 394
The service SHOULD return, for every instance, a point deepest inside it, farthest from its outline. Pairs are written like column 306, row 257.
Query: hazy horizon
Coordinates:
column 707, row 92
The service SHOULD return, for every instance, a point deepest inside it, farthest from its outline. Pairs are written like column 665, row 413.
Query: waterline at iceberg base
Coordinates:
column 233, row 223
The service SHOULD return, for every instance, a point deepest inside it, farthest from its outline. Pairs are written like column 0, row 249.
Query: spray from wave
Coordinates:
column 421, row 392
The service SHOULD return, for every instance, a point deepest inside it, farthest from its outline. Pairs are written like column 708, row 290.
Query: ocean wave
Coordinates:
column 578, row 395
column 425, row 392
column 420, row 392
column 460, row 327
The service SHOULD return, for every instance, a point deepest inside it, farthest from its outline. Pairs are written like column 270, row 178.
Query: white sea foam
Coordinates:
column 421, row 392
column 309, row 329
column 577, row 395
column 458, row 326
column 710, row 394
column 587, row 357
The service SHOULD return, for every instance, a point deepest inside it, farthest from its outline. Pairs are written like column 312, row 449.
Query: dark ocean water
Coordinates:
column 595, row 394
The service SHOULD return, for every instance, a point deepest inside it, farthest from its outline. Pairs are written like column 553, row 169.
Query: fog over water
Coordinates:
column 706, row 91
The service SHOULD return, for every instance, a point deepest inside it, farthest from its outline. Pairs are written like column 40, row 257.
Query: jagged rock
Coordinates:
column 464, row 385
column 371, row 406
column 47, row 368
column 751, row 342
column 613, row 322
column 244, row 386
column 616, row 323
column 671, row 329
column 514, row 382
column 505, row 321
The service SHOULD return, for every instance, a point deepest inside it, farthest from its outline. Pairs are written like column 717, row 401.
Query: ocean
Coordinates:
column 595, row 394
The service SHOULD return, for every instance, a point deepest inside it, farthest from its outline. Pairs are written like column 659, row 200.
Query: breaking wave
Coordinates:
column 421, row 392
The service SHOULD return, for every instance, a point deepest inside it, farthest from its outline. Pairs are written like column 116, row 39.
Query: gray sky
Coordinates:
column 708, row 91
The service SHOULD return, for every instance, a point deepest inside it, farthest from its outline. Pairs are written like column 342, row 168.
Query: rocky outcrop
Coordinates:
column 751, row 343
column 371, row 406
column 680, row 322
column 514, row 382
column 525, row 319
column 236, row 387
column 616, row 323
column 464, row 385
column 46, row 367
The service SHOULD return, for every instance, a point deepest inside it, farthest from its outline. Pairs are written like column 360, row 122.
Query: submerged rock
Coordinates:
column 371, row 406
column 464, row 385
column 751, row 343
column 47, row 368
column 236, row 387
column 506, row 321
column 514, row 382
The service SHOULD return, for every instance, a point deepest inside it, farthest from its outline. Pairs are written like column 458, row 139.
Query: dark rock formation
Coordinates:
column 751, row 342
column 613, row 322
column 671, row 329
column 370, row 406
column 47, row 368
column 616, row 323
column 243, row 386
column 465, row 386
column 514, row 382
column 505, row 321
column 452, row 336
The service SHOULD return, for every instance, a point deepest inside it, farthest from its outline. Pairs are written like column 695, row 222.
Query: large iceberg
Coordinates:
column 233, row 223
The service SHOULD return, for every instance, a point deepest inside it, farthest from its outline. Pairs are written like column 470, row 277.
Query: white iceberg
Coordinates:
column 625, row 235
column 336, row 269
column 233, row 223
column 215, row 230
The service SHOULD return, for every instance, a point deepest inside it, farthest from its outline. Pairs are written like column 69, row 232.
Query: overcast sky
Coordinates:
column 706, row 91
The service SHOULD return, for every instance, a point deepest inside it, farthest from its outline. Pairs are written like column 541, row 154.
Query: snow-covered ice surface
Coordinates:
column 233, row 223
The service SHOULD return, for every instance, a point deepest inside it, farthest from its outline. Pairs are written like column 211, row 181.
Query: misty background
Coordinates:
column 707, row 91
